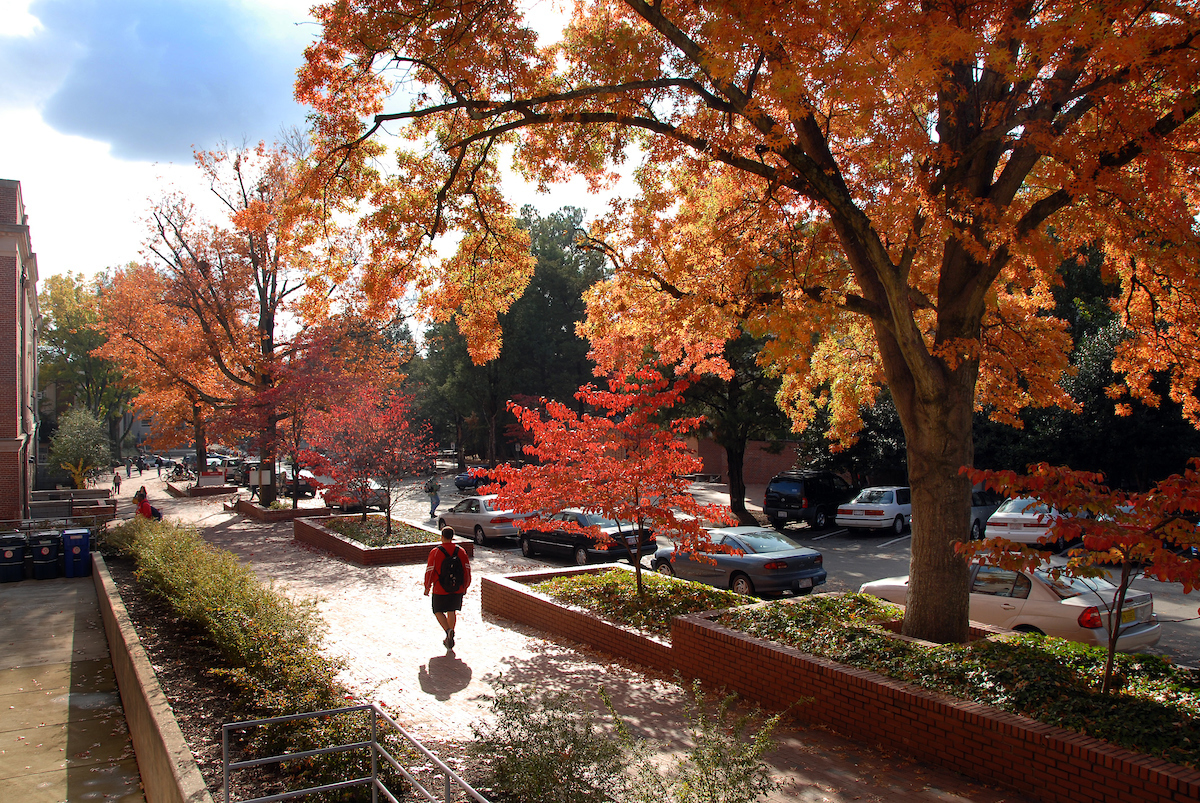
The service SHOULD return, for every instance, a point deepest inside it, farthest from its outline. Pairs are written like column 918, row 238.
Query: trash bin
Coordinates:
column 77, row 546
column 45, row 547
column 12, row 557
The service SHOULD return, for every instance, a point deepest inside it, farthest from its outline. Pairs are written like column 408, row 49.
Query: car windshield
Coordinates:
column 766, row 541
column 874, row 496
column 1067, row 587
column 1024, row 505
column 792, row 487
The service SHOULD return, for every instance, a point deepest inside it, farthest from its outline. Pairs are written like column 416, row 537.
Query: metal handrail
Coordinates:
column 451, row 778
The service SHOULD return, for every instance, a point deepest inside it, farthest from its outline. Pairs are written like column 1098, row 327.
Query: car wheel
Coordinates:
column 819, row 520
column 441, row 525
column 740, row 584
column 976, row 530
column 526, row 548
column 898, row 525
column 479, row 536
column 581, row 556
column 664, row 568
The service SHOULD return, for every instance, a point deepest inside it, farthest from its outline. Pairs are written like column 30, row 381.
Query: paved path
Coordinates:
column 380, row 622
column 62, row 729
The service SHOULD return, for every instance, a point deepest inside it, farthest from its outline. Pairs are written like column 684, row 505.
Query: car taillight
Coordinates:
column 874, row 512
column 775, row 564
column 820, row 560
column 502, row 520
column 804, row 502
column 1038, row 524
column 1090, row 618
column 845, row 511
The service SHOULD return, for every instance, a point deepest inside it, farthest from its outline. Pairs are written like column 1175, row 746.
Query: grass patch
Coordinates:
column 1048, row 679
column 373, row 532
column 271, row 642
column 613, row 595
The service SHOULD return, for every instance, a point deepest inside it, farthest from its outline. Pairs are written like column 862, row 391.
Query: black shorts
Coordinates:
column 444, row 603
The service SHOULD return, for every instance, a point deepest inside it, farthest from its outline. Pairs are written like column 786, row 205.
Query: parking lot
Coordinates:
column 853, row 558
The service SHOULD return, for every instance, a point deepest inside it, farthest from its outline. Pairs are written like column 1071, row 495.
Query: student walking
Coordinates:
column 448, row 575
column 432, row 487
column 116, row 483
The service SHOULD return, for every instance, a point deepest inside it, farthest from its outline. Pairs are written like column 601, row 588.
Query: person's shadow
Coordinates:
column 443, row 675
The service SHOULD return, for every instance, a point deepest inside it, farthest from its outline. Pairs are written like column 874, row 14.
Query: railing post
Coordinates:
column 374, row 758
column 225, row 761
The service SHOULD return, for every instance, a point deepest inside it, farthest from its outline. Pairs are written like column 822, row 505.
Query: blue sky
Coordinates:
column 103, row 101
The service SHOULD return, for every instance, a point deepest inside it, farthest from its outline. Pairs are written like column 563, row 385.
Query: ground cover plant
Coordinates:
column 271, row 643
column 1052, row 680
column 552, row 747
column 373, row 531
column 614, row 596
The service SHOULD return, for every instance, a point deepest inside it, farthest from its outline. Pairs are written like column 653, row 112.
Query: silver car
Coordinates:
column 747, row 560
column 1035, row 602
column 475, row 515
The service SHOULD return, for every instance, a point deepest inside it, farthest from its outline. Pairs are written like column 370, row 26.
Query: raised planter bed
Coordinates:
column 1041, row 761
column 312, row 532
column 260, row 513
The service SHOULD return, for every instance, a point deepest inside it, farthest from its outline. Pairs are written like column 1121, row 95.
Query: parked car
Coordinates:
column 885, row 507
column 810, row 496
column 551, row 537
column 475, row 516
column 469, row 480
column 1035, row 602
column 983, row 505
column 375, row 497
column 1023, row 520
column 748, row 560
column 307, row 485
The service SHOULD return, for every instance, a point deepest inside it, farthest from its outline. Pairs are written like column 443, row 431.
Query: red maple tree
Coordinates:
column 1118, row 536
column 369, row 436
column 627, row 462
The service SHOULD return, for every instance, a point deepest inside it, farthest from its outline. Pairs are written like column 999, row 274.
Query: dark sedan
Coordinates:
column 471, row 478
column 610, row 545
column 747, row 560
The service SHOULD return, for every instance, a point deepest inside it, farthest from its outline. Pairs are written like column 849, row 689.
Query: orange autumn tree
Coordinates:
column 224, row 286
column 883, row 192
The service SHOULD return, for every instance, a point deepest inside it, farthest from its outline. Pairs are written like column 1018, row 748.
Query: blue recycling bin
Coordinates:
column 77, row 550
column 45, row 547
column 12, row 557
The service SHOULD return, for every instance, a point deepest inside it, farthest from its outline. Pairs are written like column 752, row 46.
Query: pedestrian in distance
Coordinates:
column 158, row 465
column 116, row 483
column 128, row 467
column 447, row 575
column 432, row 487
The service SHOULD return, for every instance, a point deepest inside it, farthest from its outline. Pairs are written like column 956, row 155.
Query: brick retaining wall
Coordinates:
column 979, row 741
column 260, row 513
column 511, row 598
column 311, row 532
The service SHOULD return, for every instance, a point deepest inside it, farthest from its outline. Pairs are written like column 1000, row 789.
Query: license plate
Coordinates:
column 631, row 540
column 782, row 514
column 1128, row 615
column 804, row 583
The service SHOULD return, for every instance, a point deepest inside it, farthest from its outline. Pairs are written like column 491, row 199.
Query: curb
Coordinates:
column 168, row 769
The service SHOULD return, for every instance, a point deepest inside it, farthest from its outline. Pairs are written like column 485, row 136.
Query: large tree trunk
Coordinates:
column 735, row 456
column 937, row 429
column 199, row 436
column 267, row 492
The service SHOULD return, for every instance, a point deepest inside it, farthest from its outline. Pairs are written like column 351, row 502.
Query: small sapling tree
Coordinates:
column 625, row 462
column 1116, row 537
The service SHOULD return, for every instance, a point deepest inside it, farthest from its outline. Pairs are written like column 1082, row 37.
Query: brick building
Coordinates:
column 19, row 320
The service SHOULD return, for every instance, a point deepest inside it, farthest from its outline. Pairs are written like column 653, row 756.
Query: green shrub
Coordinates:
column 270, row 641
column 1048, row 679
column 549, row 747
column 613, row 595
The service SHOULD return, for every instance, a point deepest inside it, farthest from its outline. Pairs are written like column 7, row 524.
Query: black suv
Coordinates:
column 811, row 496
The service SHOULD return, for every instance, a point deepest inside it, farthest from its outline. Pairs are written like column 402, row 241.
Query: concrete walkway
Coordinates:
column 381, row 624
column 62, row 729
